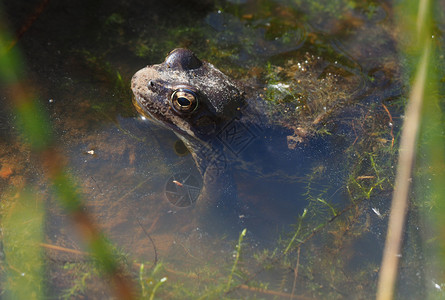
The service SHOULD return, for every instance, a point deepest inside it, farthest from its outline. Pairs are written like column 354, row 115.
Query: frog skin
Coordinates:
column 209, row 113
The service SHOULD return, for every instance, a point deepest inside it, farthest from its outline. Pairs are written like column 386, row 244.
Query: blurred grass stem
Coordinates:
column 35, row 128
column 407, row 152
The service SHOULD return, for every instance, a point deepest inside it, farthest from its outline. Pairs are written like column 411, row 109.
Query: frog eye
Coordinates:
column 184, row 101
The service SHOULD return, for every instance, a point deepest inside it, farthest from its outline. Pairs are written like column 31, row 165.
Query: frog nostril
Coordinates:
column 152, row 86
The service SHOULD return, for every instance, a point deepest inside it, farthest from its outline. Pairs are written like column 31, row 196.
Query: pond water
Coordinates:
column 312, row 179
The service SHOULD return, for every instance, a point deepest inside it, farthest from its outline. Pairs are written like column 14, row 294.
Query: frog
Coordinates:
column 223, row 125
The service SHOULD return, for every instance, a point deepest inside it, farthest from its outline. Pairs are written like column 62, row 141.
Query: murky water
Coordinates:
column 315, row 193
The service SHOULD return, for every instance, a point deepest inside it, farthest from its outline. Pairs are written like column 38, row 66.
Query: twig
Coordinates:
column 391, row 124
column 30, row 20
column 151, row 241
column 296, row 274
column 146, row 232
column 63, row 249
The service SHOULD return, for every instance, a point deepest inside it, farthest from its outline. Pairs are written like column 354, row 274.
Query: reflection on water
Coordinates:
column 310, row 184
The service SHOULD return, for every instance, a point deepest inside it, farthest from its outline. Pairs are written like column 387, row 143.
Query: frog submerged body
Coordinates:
column 220, row 126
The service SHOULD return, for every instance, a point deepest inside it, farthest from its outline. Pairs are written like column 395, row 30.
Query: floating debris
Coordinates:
column 377, row 212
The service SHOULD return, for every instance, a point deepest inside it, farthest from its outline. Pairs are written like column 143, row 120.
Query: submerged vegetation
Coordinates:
column 317, row 86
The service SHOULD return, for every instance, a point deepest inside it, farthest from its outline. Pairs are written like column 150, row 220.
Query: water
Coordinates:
column 336, row 112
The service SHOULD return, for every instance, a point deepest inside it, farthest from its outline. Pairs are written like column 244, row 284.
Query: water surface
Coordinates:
column 315, row 223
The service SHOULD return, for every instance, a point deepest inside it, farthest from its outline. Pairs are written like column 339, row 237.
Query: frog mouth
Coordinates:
column 158, row 119
column 143, row 112
column 140, row 110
